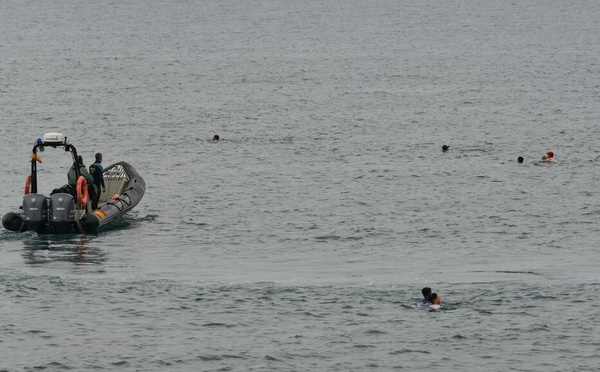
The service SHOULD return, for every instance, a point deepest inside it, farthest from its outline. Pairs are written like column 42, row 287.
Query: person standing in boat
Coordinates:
column 72, row 179
column 96, row 171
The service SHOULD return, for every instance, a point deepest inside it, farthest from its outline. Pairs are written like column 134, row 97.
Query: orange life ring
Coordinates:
column 82, row 191
column 28, row 185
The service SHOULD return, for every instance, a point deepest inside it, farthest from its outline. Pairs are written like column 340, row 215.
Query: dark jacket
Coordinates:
column 96, row 171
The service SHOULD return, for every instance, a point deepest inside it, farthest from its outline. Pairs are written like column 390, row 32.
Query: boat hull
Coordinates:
column 115, row 208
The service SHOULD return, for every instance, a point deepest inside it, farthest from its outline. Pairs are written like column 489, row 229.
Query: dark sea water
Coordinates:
column 302, row 239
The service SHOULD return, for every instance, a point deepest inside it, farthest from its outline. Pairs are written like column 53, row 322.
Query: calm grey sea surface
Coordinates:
column 302, row 239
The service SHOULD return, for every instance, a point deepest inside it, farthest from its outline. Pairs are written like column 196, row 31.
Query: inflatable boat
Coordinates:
column 67, row 209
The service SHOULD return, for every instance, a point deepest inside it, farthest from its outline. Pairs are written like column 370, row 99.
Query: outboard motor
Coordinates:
column 35, row 212
column 62, row 214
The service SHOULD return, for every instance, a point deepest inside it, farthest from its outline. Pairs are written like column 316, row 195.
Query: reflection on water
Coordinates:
column 45, row 249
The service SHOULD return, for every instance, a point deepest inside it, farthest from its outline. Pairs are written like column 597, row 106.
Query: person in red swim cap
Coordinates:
column 548, row 158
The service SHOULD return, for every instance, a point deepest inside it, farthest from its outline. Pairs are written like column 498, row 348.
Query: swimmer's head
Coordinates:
column 520, row 159
column 435, row 299
column 550, row 154
column 445, row 148
column 426, row 292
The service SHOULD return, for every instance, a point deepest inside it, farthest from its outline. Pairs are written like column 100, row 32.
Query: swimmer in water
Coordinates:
column 436, row 302
column 445, row 148
column 426, row 293
column 548, row 158
column 520, row 160
column 216, row 137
